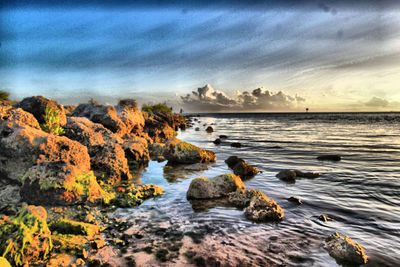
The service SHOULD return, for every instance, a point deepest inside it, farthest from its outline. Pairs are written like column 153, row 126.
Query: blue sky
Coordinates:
column 332, row 56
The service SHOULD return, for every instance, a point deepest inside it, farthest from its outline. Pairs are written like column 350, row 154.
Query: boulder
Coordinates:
column 295, row 200
column 262, row 209
column 57, row 183
column 26, row 239
column 10, row 117
column 9, row 196
column 120, row 120
column 37, row 105
column 106, row 154
column 179, row 152
column 22, row 147
column 237, row 144
column 217, row 187
column 241, row 168
column 157, row 151
column 158, row 128
column 330, row 157
column 209, row 129
column 291, row 175
column 242, row 198
column 222, row 136
column 217, row 141
column 345, row 250
column 197, row 129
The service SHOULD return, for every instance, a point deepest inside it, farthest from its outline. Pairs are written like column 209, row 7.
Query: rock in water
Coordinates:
column 197, row 129
column 241, row 168
column 291, row 175
column 217, row 187
column 209, row 129
column 242, row 198
column 222, row 136
column 217, row 141
column 237, row 144
column 345, row 250
column 295, row 200
column 330, row 157
column 37, row 105
column 262, row 209
column 26, row 238
column 179, row 152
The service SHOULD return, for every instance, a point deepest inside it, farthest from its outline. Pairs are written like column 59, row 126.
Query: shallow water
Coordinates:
column 360, row 193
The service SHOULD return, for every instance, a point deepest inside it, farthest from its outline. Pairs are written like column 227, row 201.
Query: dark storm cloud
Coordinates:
column 208, row 99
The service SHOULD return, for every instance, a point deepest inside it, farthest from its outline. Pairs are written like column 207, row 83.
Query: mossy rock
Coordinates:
column 4, row 262
column 133, row 195
column 26, row 237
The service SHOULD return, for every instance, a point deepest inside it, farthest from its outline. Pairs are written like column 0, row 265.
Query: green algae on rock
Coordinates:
column 66, row 226
column 133, row 195
column 26, row 237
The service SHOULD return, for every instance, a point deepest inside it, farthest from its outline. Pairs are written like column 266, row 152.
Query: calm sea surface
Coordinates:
column 361, row 193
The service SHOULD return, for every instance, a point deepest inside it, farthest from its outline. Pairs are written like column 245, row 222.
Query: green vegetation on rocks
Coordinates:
column 133, row 195
column 26, row 237
column 4, row 96
column 52, row 122
column 162, row 107
column 65, row 226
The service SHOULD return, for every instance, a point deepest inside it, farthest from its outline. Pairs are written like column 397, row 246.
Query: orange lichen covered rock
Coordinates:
column 262, row 209
column 345, row 250
column 26, row 237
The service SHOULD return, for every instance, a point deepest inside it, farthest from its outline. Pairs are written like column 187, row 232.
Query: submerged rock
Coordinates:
column 241, row 167
column 197, row 129
column 295, row 200
column 217, row 141
column 262, row 209
column 209, row 129
column 222, row 136
column 237, row 144
column 217, row 187
column 345, row 250
column 330, row 157
column 26, row 238
column 36, row 105
column 291, row 175
column 197, row 167
column 179, row 152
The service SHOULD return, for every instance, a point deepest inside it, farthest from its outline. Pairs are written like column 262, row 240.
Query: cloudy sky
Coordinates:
column 325, row 55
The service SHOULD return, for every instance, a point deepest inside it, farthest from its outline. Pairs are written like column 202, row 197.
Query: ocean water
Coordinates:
column 361, row 193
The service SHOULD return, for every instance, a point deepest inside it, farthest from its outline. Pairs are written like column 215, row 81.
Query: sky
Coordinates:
column 207, row 55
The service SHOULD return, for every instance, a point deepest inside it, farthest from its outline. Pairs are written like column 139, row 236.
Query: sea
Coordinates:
column 359, row 194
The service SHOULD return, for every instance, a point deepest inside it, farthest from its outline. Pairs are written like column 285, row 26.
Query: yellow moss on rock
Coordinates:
column 65, row 226
column 4, row 262
column 26, row 237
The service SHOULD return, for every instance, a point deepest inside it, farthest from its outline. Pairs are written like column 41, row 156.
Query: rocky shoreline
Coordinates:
column 64, row 170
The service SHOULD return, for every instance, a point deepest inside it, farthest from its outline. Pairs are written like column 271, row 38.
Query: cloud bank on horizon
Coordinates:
column 336, row 55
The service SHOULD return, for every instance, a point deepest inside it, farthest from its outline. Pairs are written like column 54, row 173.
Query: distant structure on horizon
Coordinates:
column 307, row 109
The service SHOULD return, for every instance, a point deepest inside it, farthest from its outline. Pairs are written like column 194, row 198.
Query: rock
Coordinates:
column 330, row 157
column 10, row 117
column 295, row 200
column 36, row 105
column 136, row 150
column 323, row 218
column 291, row 175
column 197, row 167
column 241, row 168
column 262, row 209
column 217, row 187
column 209, row 129
column 60, row 260
column 26, row 238
column 242, row 198
column 197, row 129
column 70, row 227
column 22, row 147
column 345, row 250
column 121, row 120
column 9, row 196
column 55, row 183
column 157, row 152
column 217, row 141
column 179, row 152
column 133, row 195
column 222, row 136
column 237, row 144
column 158, row 129
column 106, row 154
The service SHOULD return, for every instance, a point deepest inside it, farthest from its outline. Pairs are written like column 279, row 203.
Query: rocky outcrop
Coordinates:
column 121, row 120
column 23, row 147
column 262, row 209
column 11, row 117
column 241, row 167
column 217, row 187
column 26, row 238
column 159, row 128
column 37, row 105
column 345, row 250
column 136, row 149
column 242, row 198
column 291, row 175
column 179, row 152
